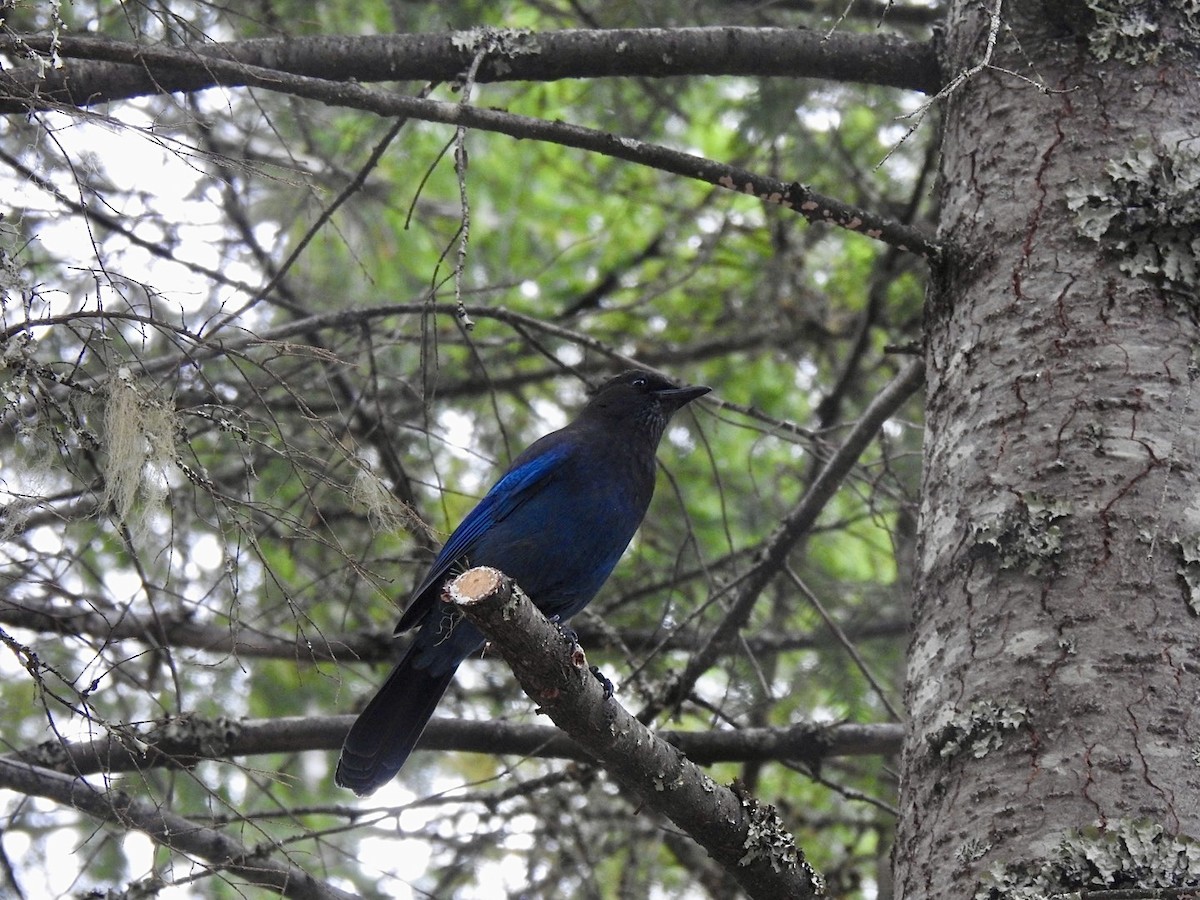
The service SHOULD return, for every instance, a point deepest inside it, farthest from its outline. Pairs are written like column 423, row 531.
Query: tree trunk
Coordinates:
column 1053, row 677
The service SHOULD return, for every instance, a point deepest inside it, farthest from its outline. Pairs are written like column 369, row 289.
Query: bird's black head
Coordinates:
column 640, row 399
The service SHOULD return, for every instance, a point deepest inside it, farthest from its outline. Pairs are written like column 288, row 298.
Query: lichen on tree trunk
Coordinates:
column 1054, row 671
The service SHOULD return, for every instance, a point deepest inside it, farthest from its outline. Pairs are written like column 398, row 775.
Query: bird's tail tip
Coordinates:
column 387, row 730
column 359, row 776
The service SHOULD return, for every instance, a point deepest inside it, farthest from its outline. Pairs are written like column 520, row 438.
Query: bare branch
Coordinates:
column 182, row 741
column 178, row 628
column 176, row 832
column 100, row 70
column 795, row 524
column 795, row 196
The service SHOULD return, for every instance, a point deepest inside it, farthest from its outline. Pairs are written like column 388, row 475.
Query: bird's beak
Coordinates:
column 676, row 398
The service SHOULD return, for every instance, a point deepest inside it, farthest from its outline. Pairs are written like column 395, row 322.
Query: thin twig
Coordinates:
column 773, row 556
column 795, row 196
column 168, row 829
column 833, row 626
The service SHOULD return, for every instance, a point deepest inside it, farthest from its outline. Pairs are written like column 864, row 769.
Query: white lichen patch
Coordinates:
column 503, row 42
column 1025, row 536
column 767, row 839
column 1124, row 854
column 1146, row 208
column 1143, row 31
column 1188, row 570
column 978, row 730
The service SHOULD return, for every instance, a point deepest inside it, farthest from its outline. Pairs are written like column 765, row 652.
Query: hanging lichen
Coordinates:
column 139, row 443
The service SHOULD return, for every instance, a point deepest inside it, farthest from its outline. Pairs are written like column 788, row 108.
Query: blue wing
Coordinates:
column 529, row 474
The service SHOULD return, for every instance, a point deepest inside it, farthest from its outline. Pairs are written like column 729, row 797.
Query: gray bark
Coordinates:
column 1053, row 678
column 99, row 70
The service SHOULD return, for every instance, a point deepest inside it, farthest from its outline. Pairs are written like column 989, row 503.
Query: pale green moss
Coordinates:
column 1124, row 854
column 1143, row 31
column 978, row 730
column 1147, row 209
column 1024, row 536
column 139, row 440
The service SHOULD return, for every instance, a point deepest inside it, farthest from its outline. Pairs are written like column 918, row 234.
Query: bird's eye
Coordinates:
column 639, row 382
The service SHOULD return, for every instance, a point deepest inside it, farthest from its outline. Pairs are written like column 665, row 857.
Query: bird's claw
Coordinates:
column 566, row 631
column 609, row 690
column 579, row 659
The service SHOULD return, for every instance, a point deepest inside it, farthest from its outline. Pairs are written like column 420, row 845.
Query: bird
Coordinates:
column 556, row 523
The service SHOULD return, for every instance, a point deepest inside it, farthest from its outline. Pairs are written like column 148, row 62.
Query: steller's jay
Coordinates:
column 556, row 523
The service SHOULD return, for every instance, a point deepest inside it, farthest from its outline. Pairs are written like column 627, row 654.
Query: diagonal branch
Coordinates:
column 747, row 838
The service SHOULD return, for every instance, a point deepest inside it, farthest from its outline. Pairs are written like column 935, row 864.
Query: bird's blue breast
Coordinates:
column 562, row 543
column 556, row 523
